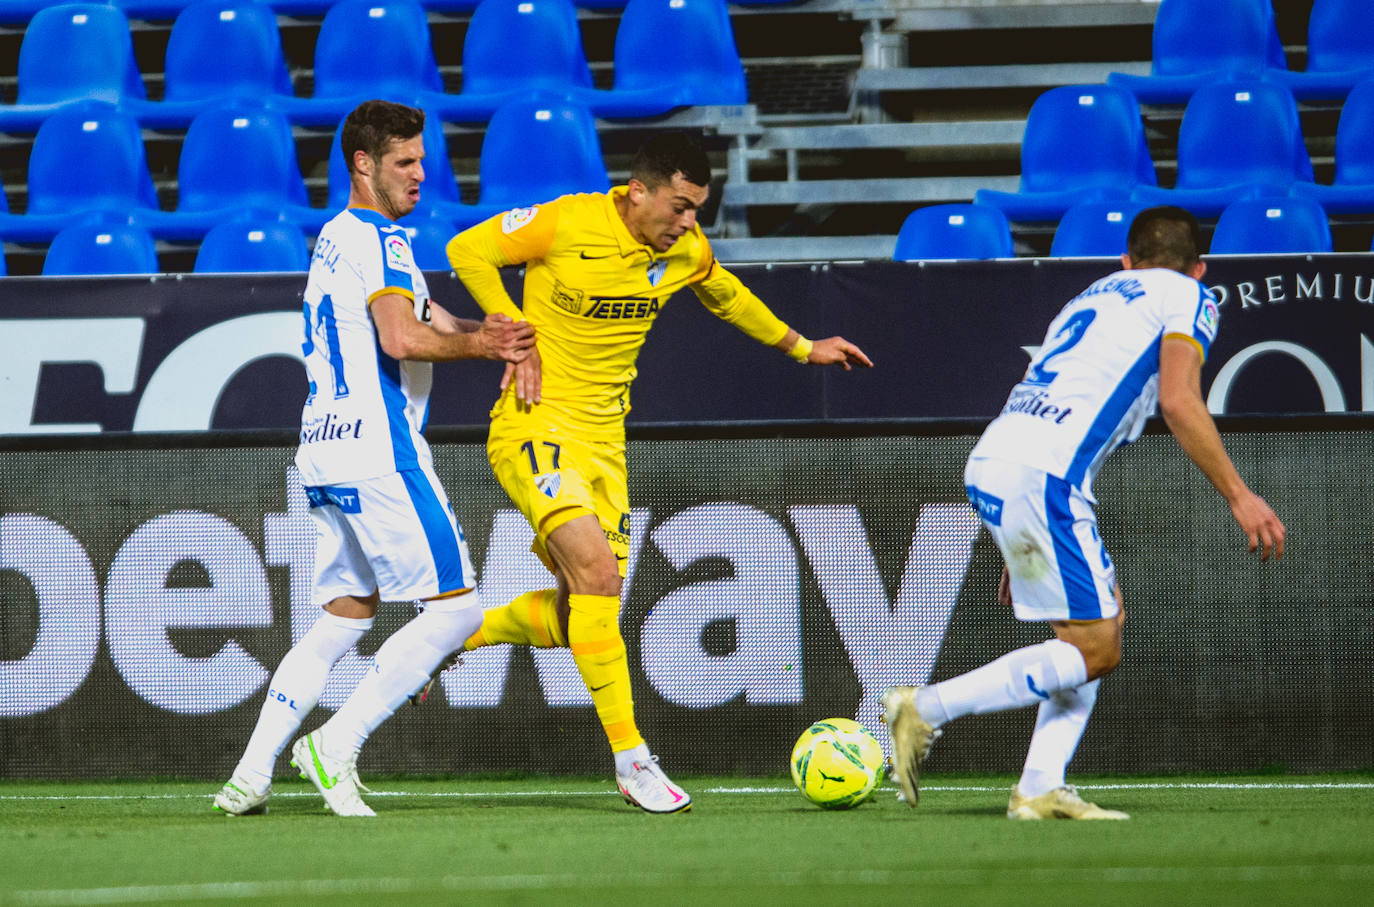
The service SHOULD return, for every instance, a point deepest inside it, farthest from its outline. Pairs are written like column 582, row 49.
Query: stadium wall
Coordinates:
column 779, row 574
column 193, row 352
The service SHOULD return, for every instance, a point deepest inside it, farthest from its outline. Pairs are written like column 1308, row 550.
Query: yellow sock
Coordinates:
column 599, row 651
column 528, row 620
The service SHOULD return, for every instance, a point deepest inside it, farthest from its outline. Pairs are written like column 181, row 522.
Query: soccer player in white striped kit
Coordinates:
column 385, row 529
column 1134, row 338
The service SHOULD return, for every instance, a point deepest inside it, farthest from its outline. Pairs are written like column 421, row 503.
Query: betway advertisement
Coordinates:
column 148, row 590
column 193, row 352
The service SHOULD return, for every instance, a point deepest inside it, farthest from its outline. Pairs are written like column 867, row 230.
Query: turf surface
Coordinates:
column 1200, row 840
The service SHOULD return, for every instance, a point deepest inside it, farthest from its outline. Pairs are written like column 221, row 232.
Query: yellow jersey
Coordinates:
column 592, row 292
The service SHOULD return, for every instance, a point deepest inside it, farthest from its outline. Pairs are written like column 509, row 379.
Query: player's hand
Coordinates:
column 528, row 377
column 502, row 338
column 1260, row 524
column 837, row 351
column 1004, row 588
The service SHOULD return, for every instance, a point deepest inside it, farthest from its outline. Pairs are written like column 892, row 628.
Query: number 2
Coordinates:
column 1075, row 327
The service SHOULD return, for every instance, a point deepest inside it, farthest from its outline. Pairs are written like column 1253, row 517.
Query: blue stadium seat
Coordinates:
column 1094, row 228
column 86, row 158
column 1106, row 158
column 247, row 246
column 701, row 66
column 1200, row 42
column 218, row 50
column 369, row 49
column 101, row 249
column 69, row 53
column 954, row 231
column 1340, row 51
column 238, row 159
column 1260, row 226
column 1352, row 191
column 536, row 150
column 550, row 57
column 429, row 233
column 1237, row 140
column 438, row 192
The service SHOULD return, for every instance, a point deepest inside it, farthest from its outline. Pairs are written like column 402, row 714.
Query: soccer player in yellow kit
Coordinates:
column 600, row 268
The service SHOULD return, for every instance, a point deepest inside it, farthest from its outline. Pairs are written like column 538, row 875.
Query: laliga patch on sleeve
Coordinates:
column 1207, row 318
column 517, row 217
column 397, row 253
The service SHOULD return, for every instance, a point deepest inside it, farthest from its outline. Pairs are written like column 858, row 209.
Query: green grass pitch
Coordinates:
column 1198, row 840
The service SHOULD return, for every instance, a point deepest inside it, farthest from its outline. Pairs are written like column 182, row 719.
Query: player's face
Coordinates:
column 660, row 216
column 396, row 178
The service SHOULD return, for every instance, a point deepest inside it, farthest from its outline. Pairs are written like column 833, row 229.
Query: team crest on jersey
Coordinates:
column 396, row 250
column 549, row 484
column 655, row 272
column 516, row 218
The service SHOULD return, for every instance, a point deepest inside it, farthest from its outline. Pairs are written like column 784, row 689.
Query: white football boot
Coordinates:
column 237, row 798
column 648, row 788
column 335, row 779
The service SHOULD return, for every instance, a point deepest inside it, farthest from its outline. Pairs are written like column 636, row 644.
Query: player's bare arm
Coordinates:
column 830, row 351
column 402, row 336
column 1181, row 405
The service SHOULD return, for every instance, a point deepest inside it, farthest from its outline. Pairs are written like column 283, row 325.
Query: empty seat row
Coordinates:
column 88, row 161
column 235, row 247
column 377, row 48
column 1248, row 226
column 1197, row 42
column 1238, row 139
column 18, row 12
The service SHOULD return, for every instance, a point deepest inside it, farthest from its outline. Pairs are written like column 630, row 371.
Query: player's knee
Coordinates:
column 1103, row 660
column 599, row 579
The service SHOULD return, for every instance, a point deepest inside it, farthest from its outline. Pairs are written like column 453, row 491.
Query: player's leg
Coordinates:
column 591, row 571
column 531, row 619
column 1059, row 573
column 1041, row 792
column 341, row 577
column 417, row 550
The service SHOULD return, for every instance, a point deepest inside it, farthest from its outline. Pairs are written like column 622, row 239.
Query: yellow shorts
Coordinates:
column 554, row 481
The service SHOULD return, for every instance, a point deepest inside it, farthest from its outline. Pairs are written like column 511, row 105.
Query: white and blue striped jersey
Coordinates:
column 1095, row 380
column 366, row 411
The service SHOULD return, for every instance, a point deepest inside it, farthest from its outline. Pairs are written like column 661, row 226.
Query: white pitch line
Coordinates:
column 955, row 788
column 1035, row 875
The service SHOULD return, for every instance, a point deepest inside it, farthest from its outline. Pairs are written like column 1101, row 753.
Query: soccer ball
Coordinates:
column 837, row 763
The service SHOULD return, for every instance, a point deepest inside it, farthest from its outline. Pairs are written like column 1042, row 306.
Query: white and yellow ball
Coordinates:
column 837, row 763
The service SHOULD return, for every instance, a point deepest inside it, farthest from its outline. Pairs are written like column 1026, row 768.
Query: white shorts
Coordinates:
column 396, row 534
column 1047, row 532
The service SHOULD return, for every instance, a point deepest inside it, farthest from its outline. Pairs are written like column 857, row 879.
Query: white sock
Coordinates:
column 400, row 669
column 1058, row 728
column 625, row 759
column 295, row 688
column 1022, row 677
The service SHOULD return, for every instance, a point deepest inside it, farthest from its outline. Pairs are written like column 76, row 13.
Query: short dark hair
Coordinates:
column 666, row 154
column 374, row 125
column 1164, row 237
